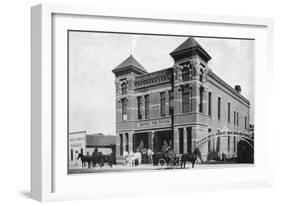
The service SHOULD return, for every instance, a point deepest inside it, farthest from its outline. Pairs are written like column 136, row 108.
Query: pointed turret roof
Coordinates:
column 130, row 63
column 187, row 44
column 191, row 46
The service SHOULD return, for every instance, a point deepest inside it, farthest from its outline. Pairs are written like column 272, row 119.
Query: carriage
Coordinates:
column 97, row 158
column 165, row 160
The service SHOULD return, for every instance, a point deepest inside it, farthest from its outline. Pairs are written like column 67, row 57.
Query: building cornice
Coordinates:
column 153, row 78
column 78, row 132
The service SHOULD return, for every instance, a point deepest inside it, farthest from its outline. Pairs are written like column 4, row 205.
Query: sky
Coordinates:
column 92, row 56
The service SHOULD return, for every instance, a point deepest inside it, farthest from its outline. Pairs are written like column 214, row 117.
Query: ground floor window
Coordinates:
column 71, row 154
column 234, row 144
column 228, row 143
column 127, row 142
column 181, row 140
column 218, row 144
column 209, row 146
column 213, row 144
column 121, row 144
column 189, row 139
column 209, row 141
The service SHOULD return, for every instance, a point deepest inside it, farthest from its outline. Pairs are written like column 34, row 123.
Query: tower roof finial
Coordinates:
column 190, row 47
column 130, row 63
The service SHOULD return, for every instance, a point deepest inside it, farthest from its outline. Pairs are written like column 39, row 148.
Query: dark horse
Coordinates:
column 192, row 157
column 97, row 158
column 85, row 159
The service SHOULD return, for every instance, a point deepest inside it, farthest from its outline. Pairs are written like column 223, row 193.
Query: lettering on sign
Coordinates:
column 244, row 135
column 76, row 145
column 77, row 139
column 155, row 123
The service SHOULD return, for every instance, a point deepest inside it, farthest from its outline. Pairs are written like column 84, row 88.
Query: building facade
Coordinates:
column 179, row 105
column 106, row 144
column 76, row 145
column 82, row 143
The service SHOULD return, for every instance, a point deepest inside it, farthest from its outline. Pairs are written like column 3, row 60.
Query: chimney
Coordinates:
column 238, row 88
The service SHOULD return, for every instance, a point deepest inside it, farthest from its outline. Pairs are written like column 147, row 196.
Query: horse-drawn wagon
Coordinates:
column 97, row 158
column 169, row 159
column 162, row 160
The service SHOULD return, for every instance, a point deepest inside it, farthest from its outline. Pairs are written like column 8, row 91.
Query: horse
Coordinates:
column 133, row 157
column 84, row 159
column 192, row 157
column 97, row 158
column 126, row 156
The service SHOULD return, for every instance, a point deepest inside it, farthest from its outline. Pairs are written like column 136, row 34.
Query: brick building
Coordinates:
column 181, row 105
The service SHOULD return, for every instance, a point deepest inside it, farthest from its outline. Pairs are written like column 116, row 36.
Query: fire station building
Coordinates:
column 179, row 105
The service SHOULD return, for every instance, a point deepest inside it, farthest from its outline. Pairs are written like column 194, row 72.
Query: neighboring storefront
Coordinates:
column 85, row 144
column 77, row 145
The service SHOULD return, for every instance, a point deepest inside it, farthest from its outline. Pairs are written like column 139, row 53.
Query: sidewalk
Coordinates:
column 145, row 167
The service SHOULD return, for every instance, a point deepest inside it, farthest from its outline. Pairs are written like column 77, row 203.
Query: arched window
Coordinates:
column 124, row 87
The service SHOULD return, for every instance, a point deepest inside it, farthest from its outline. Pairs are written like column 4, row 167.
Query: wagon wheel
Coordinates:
column 172, row 163
column 161, row 163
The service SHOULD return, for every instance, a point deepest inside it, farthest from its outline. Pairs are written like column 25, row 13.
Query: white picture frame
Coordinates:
column 49, row 181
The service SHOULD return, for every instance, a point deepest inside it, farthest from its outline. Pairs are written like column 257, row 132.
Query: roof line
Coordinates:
column 230, row 88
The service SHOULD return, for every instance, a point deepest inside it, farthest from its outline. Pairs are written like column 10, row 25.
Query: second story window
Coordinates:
column 124, row 88
column 162, row 103
column 219, row 108
column 124, row 109
column 228, row 112
column 139, row 107
column 146, row 106
column 237, row 119
column 245, row 122
column 234, row 120
column 210, row 104
column 185, row 100
column 171, row 102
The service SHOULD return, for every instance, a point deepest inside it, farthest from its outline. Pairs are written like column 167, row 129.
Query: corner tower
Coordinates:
column 126, row 104
column 190, row 68
column 190, row 92
column 125, row 74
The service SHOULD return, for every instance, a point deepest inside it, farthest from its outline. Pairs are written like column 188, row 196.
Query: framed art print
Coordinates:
column 148, row 101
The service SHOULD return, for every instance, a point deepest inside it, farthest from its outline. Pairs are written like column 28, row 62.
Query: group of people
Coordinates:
column 165, row 148
column 146, row 154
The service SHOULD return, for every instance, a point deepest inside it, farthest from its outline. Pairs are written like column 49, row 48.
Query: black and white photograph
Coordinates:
column 159, row 102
